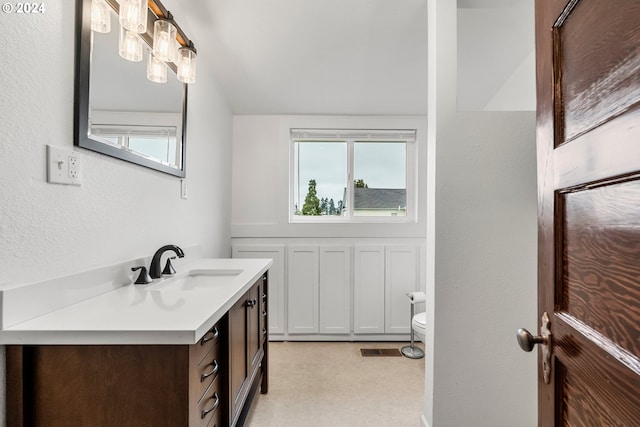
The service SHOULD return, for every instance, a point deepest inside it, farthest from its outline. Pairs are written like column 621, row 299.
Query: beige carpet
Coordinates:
column 332, row 385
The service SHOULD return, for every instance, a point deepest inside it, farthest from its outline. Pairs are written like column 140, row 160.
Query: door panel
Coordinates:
column 601, row 261
column 588, row 128
column 401, row 277
column 254, row 333
column 596, row 63
column 302, row 289
column 335, row 290
column 237, row 355
column 368, row 292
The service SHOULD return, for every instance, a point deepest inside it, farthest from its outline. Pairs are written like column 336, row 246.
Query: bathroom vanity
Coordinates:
column 191, row 350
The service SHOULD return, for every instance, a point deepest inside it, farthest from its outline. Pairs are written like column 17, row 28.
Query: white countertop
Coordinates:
column 143, row 314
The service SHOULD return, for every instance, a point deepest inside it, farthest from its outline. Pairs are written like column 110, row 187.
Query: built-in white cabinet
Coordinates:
column 383, row 276
column 400, row 277
column 335, row 290
column 319, row 289
column 276, row 309
column 368, row 290
column 339, row 289
column 302, row 277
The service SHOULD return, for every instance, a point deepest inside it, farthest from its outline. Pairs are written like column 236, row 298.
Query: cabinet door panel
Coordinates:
column 254, row 313
column 276, row 307
column 303, row 289
column 237, row 355
column 368, row 292
column 335, row 290
column 401, row 277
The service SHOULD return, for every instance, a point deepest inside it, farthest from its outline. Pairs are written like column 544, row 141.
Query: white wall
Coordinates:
column 483, row 285
column 121, row 211
column 260, row 199
column 496, row 58
column 485, row 222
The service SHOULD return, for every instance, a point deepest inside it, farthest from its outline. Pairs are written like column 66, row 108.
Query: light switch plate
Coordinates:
column 183, row 189
column 64, row 166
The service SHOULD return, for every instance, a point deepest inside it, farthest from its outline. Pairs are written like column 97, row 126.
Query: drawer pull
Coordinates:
column 206, row 412
column 216, row 366
column 211, row 335
column 264, row 296
column 251, row 303
column 264, row 332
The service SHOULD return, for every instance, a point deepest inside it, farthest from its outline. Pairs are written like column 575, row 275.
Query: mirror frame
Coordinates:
column 81, row 98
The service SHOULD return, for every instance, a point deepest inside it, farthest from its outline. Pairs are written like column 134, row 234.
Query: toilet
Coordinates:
column 418, row 324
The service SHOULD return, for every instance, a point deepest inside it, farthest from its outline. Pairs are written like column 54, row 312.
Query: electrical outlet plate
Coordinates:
column 63, row 166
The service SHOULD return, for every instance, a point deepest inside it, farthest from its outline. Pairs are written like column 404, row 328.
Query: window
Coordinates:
column 352, row 175
column 154, row 142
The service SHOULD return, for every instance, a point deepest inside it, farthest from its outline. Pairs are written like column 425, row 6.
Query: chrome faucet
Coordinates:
column 154, row 269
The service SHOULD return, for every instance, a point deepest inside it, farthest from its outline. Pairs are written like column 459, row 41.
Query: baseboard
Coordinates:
column 341, row 337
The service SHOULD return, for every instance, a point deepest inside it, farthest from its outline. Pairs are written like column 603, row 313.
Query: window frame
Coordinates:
column 350, row 137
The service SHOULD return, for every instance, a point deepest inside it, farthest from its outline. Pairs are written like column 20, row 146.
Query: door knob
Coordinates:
column 528, row 341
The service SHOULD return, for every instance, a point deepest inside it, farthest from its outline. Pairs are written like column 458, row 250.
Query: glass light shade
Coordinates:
column 100, row 16
column 133, row 15
column 130, row 45
column 164, row 40
column 186, row 65
column 156, row 69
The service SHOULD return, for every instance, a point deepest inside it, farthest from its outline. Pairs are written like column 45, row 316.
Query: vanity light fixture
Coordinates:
column 187, row 64
column 100, row 16
column 133, row 15
column 130, row 45
column 168, row 42
column 156, row 69
column 164, row 39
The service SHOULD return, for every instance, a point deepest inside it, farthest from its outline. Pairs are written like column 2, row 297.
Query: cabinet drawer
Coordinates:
column 205, row 344
column 216, row 419
column 210, row 407
column 208, row 370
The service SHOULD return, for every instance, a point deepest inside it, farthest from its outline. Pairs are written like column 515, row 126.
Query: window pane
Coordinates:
column 322, row 165
column 380, row 173
column 162, row 148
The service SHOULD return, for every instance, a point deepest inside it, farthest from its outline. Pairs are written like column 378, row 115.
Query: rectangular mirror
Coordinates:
column 119, row 112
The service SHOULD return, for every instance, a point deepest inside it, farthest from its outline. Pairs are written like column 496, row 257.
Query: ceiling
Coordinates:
column 343, row 57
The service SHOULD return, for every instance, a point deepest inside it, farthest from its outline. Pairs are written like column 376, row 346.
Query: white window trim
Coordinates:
column 350, row 136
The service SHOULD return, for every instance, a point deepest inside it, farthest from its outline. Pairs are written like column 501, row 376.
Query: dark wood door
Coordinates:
column 237, row 356
column 253, row 329
column 588, row 131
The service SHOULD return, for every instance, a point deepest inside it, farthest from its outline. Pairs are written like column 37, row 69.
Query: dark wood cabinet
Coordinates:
column 247, row 349
column 207, row 384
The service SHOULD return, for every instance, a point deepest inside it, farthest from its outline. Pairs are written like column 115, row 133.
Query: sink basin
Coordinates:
column 196, row 279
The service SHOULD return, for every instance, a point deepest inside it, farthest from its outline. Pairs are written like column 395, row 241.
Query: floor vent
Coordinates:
column 380, row 352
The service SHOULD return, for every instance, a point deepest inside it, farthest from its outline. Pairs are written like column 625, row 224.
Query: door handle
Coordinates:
column 527, row 341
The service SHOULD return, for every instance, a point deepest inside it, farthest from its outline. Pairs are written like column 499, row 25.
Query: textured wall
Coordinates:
column 496, row 58
column 121, row 211
column 483, row 285
column 485, row 271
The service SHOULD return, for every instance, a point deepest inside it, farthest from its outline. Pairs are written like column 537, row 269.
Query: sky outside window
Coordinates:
column 381, row 164
column 326, row 162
